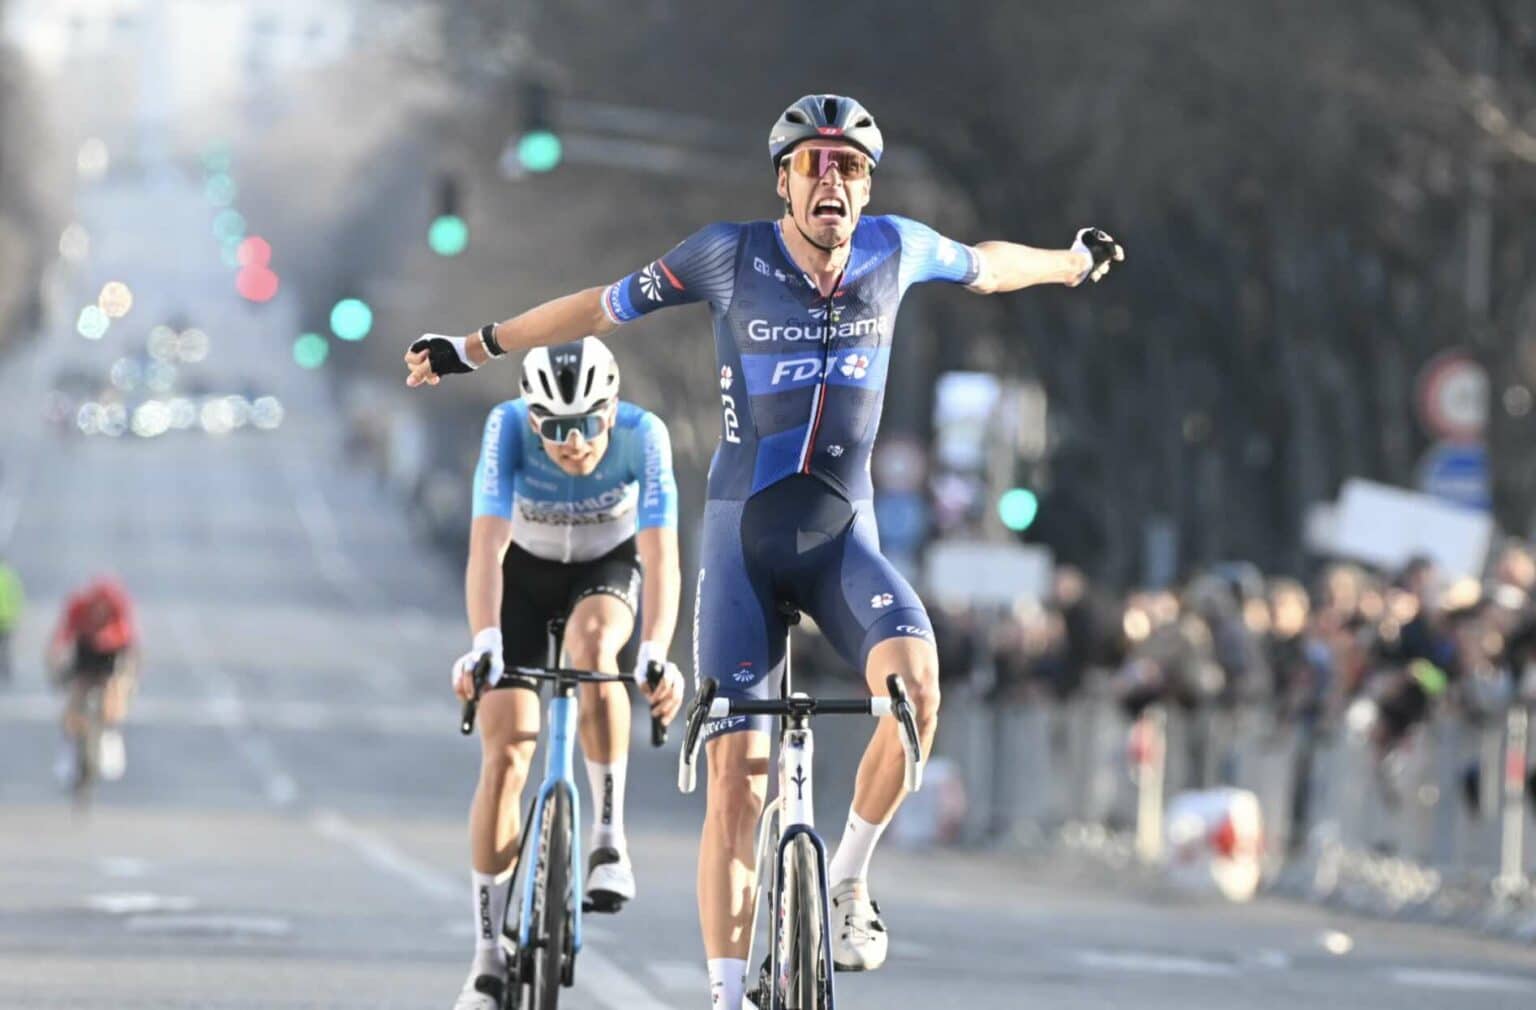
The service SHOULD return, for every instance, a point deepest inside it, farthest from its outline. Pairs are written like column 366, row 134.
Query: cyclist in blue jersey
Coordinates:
column 573, row 499
column 804, row 313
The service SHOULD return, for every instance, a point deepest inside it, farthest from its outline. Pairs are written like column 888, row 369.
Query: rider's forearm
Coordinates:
column 663, row 583
column 1008, row 266
column 557, row 321
column 488, row 536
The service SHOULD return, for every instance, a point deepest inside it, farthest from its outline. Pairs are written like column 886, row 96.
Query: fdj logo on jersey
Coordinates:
column 793, row 371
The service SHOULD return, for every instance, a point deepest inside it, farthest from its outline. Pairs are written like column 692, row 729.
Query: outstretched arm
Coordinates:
column 700, row 268
column 557, row 321
column 1008, row 266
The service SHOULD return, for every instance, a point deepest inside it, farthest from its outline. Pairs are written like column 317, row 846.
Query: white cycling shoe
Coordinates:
column 859, row 940
column 485, row 987
column 610, row 880
column 113, row 755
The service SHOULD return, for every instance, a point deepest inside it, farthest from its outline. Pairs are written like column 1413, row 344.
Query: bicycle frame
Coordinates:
column 559, row 758
column 790, row 818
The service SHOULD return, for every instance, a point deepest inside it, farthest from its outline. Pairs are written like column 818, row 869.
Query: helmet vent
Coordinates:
column 829, row 110
column 796, row 116
column 586, row 390
column 864, row 121
column 567, row 382
column 544, row 381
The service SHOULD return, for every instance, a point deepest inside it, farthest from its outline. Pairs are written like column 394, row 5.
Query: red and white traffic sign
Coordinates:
column 1453, row 396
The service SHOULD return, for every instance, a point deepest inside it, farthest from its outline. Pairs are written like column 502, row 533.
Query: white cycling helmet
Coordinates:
column 576, row 378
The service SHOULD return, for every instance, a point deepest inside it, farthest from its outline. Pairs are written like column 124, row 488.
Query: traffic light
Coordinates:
column 351, row 319
column 539, row 148
column 449, row 233
column 1017, row 507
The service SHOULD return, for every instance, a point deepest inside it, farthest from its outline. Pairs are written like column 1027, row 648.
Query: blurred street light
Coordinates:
column 351, row 319
column 93, row 323
column 256, row 283
column 229, row 225
column 74, row 243
column 91, row 161
column 1017, row 508
column 220, row 189
column 449, row 235
column 539, row 151
column 192, row 345
column 254, row 251
column 116, row 299
column 310, row 350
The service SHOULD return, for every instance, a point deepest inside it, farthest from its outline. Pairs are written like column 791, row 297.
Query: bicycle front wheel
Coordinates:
column 552, row 905
column 805, row 967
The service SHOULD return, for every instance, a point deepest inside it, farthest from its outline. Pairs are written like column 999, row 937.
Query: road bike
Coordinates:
column 791, row 858
column 544, row 939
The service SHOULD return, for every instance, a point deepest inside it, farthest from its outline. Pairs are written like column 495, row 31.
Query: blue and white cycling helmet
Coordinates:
column 567, row 379
column 829, row 117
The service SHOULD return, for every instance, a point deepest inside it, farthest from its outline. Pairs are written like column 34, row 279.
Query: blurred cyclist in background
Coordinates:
column 96, row 644
column 11, row 603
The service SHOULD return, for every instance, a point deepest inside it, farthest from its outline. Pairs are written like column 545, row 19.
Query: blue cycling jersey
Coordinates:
column 564, row 518
column 802, row 375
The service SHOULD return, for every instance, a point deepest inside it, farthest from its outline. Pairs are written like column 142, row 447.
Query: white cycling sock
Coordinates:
column 607, row 783
column 854, row 849
column 490, row 894
column 727, row 980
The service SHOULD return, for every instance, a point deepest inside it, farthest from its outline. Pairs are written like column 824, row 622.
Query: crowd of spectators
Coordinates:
column 1379, row 651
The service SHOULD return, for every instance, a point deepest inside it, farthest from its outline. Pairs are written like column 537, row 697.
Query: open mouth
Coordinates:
column 829, row 209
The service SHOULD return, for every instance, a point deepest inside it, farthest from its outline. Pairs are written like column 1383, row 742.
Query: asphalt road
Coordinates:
column 290, row 831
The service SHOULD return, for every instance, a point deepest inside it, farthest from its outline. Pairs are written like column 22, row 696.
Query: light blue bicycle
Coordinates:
column 543, row 942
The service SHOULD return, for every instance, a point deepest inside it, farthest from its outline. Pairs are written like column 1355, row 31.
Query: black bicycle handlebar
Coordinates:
column 653, row 676
column 705, row 705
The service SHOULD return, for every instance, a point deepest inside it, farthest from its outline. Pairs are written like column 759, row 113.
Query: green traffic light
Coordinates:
column 310, row 350
column 1017, row 508
column 229, row 225
column 220, row 189
column 351, row 319
column 449, row 235
column 539, row 151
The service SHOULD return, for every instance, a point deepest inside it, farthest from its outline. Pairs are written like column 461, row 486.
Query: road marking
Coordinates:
column 1466, row 981
column 600, row 978
column 1157, row 964
column 229, row 710
column 250, row 925
column 137, row 902
column 384, row 856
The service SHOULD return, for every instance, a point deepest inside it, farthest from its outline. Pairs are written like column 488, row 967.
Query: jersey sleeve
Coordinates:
column 501, row 451
column 658, row 486
column 928, row 256
column 701, row 268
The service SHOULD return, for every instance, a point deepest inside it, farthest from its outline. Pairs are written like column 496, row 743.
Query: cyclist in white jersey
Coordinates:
column 573, row 499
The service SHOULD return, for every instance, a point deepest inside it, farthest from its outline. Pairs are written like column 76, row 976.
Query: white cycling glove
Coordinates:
column 651, row 652
column 1102, row 251
column 487, row 640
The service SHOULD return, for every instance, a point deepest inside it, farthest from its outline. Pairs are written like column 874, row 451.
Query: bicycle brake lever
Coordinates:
column 687, row 758
column 654, row 673
column 477, row 677
column 906, row 719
